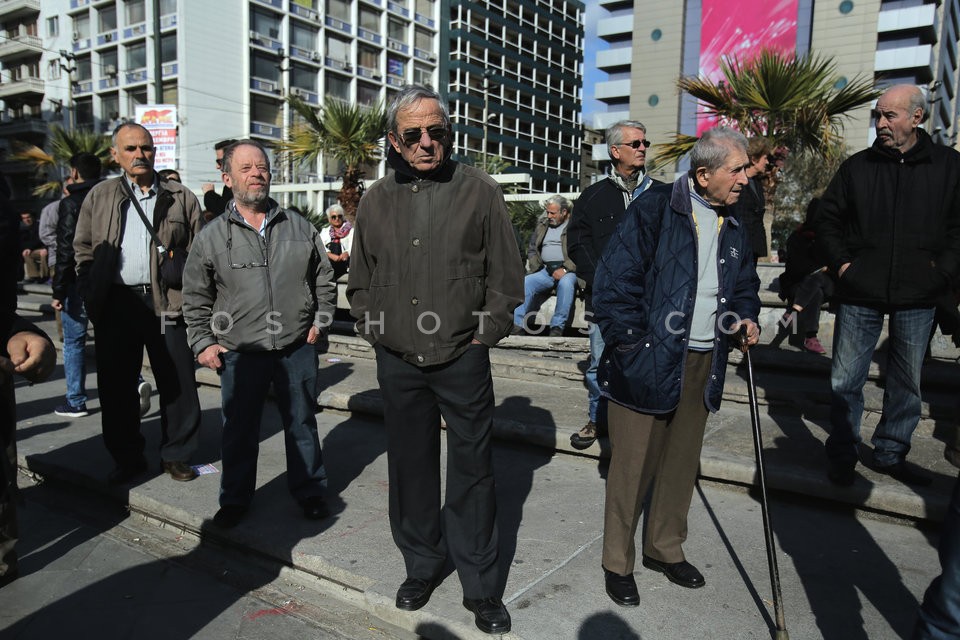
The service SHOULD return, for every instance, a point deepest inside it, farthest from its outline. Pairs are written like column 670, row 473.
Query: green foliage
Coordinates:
column 61, row 146
column 350, row 133
column 793, row 101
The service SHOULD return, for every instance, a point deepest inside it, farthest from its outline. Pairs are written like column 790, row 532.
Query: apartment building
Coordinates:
column 650, row 44
column 227, row 66
column 514, row 83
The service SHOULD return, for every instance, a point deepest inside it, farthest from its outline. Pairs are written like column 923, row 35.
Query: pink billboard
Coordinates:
column 738, row 29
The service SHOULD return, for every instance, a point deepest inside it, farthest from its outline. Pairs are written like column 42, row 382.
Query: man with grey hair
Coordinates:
column 889, row 228
column 434, row 280
column 549, row 266
column 595, row 216
column 258, row 294
column 677, row 278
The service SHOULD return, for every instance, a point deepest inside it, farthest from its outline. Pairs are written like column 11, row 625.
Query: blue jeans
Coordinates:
column 590, row 375
column 537, row 283
column 245, row 380
column 940, row 611
column 74, row 320
column 856, row 332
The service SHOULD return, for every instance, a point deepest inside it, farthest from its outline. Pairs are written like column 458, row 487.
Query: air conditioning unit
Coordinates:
column 315, row 56
column 107, row 37
column 255, row 35
column 76, row 36
column 432, row 58
column 274, row 33
column 300, row 93
column 376, row 75
column 110, row 69
column 347, row 66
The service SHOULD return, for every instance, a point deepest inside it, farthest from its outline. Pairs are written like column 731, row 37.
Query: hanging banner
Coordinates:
column 739, row 29
column 161, row 121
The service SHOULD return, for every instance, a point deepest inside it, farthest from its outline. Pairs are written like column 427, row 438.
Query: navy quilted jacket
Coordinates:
column 643, row 297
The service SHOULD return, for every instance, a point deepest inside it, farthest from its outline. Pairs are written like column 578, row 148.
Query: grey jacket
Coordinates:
column 434, row 263
column 251, row 293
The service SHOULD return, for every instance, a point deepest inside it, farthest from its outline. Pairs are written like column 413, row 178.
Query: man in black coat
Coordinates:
column 596, row 215
column 889, row 228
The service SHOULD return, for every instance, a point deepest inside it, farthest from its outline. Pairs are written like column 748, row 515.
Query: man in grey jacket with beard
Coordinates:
column 258, row 294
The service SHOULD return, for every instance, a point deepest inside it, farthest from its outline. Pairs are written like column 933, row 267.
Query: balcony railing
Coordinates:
column 108, row 37
column 265, row 130
column 20, row 45
column 21, row 87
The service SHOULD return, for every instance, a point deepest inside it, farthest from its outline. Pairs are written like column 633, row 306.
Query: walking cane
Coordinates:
column 761, row 475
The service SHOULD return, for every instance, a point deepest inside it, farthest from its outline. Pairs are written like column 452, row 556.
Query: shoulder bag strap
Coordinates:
column 136, row 204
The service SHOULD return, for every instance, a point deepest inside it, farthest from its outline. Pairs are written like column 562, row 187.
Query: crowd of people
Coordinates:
column 669, row 277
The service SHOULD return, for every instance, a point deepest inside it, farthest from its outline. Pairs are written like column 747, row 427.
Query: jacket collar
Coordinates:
column 83, row 187
column 405, row 173
column 680, row 200
column 918, row 153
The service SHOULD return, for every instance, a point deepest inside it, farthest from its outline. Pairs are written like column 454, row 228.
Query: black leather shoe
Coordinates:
column 124, row 473
column 681, row 573
column 179, row 471
column 315, row 508
column 490, row 615
column 229, row 516
column 414, row 593
column 900, row 471
column 621, row 589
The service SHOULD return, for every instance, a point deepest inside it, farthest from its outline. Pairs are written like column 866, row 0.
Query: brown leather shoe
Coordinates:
column 179, row 471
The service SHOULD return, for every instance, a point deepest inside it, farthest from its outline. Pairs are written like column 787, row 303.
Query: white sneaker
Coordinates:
column 144, row 390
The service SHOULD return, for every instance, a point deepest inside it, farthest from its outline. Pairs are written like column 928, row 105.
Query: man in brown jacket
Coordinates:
column 131, row 307
column 434, row 279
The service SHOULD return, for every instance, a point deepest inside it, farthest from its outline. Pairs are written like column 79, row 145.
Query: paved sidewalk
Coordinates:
column 843, row 577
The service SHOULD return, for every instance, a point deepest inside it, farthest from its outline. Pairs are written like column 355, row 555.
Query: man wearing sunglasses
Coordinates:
column 434, row 279
column 258, row 294
column 214, row 202
column 596, row 214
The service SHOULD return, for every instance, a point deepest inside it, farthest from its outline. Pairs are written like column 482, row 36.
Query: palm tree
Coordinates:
column 350, row 133
column 794, row 101
column 62, row 145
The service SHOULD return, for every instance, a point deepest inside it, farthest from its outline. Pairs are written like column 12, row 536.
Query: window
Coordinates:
column 167, row 7
column 108, row 62
column 422, row 40
column 303, row 36
column 265, row 110
column 83, row 68
column 168, row 47
column 396, row 67
column 134, row 12
column 339, row 9
column 108, row 19
column 425, row 8
column 265, row 67
column 422, row 75
column 367, row 57
column 136, row 97
column 370, row 20
column 303, row 78
column 169, row 92
column 338, row 88
column 309, row 4
column 54, row 72
column 396, row 30
column 338, row 49
column 84, row 110
column 367, row 94
column 265, row 23
column 110, row 106
column 81, row 26
column 136, row 56
column 53, row 26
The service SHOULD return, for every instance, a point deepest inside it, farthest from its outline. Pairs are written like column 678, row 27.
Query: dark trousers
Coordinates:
column 244, row 383
column 127, row 325
column 414, row 398
column 8, row 477
column 810, row 294
column 659, row 449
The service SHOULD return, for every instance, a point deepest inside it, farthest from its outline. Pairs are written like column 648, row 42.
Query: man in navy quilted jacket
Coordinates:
column 677, row 279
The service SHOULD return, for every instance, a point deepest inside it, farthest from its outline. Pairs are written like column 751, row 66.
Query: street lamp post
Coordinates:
column 487, row 74
column 69, row 67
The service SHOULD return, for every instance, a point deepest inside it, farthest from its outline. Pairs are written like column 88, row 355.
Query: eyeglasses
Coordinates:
column 636, row 144
column 410, row 137
column 336, row 217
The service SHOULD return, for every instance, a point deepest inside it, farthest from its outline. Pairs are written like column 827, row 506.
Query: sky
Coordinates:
column 591, row 45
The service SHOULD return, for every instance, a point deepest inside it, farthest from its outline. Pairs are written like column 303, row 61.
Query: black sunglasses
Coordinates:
column 335, row 217
column 636, row 144
column 437, row 133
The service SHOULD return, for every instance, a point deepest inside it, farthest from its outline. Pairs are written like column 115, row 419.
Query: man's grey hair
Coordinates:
column 615, row 134
column 230, row 150
column 565, row 204
column 334, row 208
column 123, row 125
column 408, row 96
column 714, row 146
column 918, row 101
